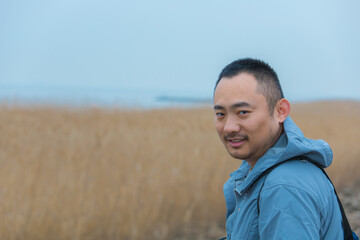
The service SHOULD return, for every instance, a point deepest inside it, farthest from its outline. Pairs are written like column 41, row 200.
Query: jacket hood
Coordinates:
column 291, row 143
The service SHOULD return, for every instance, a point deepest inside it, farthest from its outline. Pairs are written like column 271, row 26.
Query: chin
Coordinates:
column 238, row 155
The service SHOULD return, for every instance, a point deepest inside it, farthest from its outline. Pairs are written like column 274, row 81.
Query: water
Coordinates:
column 101, row 96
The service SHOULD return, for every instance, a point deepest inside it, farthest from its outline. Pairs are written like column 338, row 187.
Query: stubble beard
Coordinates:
column 253, row 156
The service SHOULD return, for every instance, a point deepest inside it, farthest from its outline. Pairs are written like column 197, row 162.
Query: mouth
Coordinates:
column 236, row 142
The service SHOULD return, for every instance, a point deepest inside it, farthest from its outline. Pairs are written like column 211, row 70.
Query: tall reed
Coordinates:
column 134, row 174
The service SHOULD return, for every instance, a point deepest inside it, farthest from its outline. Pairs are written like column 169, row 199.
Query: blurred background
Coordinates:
column 145, row 53
column 106, row 124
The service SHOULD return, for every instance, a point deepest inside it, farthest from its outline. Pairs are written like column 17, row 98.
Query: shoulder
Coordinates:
column 300, row 177
column 298, row 195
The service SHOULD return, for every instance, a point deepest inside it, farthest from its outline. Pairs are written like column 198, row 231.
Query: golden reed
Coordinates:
column 135, row 174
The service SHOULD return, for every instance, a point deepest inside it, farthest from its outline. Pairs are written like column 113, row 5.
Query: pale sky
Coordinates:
column 177, row 47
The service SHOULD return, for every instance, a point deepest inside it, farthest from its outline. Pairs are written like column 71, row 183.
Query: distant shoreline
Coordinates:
column 183, row 99
column 146, row 103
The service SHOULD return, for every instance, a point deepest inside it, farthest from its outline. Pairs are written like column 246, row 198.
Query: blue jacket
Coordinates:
column 297, row 200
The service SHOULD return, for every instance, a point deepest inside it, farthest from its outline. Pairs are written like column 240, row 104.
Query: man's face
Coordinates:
column 242, row 119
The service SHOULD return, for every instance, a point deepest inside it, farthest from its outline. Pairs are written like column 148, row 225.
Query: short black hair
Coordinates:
column 266, row 77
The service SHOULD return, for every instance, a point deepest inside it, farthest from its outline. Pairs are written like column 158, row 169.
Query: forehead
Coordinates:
column 242, row 87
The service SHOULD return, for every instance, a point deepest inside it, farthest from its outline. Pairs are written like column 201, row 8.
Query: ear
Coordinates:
column 282, row 110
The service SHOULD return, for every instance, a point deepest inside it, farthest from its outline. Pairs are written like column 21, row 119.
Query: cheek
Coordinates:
column 257, row 129
column 265, row 131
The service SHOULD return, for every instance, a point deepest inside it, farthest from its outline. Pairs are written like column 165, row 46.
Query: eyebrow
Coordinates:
column 234, row 106
column 218, row 107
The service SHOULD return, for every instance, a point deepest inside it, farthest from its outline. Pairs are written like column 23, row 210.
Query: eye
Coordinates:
column 242, row 113
column 219, row 114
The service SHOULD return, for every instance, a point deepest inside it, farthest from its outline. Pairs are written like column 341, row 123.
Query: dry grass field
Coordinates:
column 135, row 174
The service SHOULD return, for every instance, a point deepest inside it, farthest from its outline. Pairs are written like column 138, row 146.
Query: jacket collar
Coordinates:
column 291, row 143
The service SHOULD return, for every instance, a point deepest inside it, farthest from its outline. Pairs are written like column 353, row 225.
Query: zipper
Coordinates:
column 238, row 208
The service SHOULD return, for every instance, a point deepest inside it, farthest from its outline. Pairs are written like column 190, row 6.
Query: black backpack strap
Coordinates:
column 346, row 226
column 265, row 173
column 348, row 234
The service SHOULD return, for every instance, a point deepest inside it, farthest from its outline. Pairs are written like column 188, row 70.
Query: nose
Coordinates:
column 231, row 125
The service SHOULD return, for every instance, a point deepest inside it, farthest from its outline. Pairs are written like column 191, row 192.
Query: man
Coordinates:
column 296, row 201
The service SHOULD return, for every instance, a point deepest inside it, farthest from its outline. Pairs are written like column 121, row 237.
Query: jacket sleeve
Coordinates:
column 288, row 212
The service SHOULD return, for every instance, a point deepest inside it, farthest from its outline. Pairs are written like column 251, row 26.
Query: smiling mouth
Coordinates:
column 236, row 142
